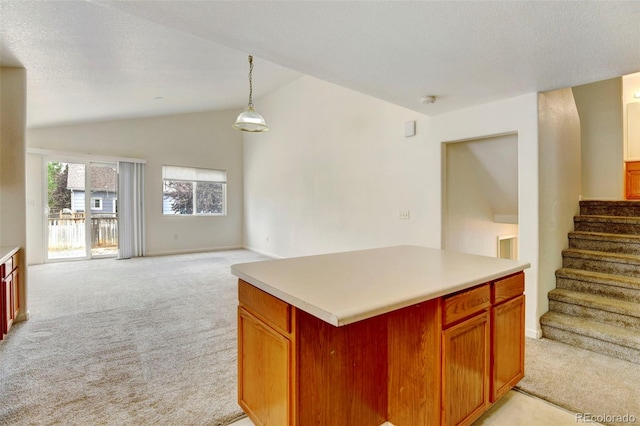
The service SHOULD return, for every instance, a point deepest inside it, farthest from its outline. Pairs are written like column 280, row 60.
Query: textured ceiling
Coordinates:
column 109, row 59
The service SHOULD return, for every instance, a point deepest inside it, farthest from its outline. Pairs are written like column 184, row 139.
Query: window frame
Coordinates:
column 93, row 205
column 167, row 169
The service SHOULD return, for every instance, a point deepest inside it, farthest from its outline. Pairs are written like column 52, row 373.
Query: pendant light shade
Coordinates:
column 249, row 120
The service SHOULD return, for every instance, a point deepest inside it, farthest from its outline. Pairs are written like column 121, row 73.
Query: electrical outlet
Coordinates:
column 404, row 214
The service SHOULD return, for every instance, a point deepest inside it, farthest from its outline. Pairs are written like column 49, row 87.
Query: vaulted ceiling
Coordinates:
column 98, row 60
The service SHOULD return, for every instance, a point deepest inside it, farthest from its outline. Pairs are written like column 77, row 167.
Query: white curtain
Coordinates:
column 130, row 210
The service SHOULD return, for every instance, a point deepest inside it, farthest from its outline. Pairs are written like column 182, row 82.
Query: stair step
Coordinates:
column 610, row 207
column 609, row 263
column 616, row 286
column 619, row 342
column 604, row 241
column 609, row 224
column 600, row 308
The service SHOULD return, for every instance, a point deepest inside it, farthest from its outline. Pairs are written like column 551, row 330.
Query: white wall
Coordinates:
column 519, row 116
column 334, row 171
column 335, row 168
column 600, row 109
column 13, row 231
column 630, row 86
column 35, row 209
column 196, row 140
column 481, row 181
column 560, row 182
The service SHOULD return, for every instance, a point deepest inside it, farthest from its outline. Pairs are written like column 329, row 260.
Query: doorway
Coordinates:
column 81, row 224
column 480, row 195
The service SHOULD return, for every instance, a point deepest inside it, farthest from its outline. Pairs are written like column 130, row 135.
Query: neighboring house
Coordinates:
column 103, row 189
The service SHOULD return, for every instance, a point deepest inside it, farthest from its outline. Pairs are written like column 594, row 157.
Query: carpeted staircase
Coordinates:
column 596, row 303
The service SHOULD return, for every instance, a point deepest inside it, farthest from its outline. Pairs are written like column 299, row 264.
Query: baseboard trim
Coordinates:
column 264, row 253
column 23, row 316
column 534, row 333
column 199, row 250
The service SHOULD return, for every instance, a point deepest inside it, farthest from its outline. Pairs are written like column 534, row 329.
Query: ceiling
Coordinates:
column 100, row 60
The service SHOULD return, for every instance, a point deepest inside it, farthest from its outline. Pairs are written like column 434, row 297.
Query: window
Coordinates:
column 193, row 191
column 96, row 203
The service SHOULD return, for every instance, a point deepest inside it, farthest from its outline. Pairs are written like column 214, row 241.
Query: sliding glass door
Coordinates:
column 103, row 209
column 81, row 224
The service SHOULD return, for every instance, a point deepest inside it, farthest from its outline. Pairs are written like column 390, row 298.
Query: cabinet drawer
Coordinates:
column 15, row 260
column 269, row 308
column 8, row 267
column 507, row 288
column 466, row 303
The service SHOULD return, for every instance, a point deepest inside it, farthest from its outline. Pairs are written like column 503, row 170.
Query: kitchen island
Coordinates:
column 406, row 334
column 9, row 287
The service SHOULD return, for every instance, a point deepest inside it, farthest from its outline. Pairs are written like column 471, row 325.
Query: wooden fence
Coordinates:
column 69, row 233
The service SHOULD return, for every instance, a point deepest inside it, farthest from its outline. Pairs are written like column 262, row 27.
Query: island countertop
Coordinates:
column 6, row 252
column 342, row 288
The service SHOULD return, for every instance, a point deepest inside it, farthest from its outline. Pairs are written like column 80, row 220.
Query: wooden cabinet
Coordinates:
column 10, row 292
column 440, row 362
column 465, row 371
column 507, row 335
column 294, row 369
column 632, row 180
column 265, row 357
column 264, row 373
column 465, row 355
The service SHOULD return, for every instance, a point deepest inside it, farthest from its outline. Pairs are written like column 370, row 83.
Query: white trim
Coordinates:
column 513, row 253
column 93, row 206
column 198, row 250
column 264, row 253
column 506, row 218
column 83, row 157
column 533, row 333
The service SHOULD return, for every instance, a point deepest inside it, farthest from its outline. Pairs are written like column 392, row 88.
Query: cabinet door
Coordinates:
column 465, row 372
column 263, row 372
column 7, row 308
column 3, row 303
column 632, row 180
column 507, row 331
column 15, row 294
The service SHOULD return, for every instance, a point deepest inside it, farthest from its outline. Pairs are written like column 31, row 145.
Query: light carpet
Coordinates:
column 582, row 381
column 112, row 342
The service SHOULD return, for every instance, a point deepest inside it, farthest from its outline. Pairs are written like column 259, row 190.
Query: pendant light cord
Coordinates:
column 250, row 82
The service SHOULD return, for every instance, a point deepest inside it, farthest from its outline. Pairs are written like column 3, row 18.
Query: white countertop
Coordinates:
column 6, row 252
column 342, row 288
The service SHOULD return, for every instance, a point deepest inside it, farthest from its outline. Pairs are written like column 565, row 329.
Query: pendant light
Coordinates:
column 249, row 120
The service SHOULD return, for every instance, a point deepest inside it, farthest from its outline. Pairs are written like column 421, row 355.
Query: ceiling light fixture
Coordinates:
column 249, row 120
column 430, row 99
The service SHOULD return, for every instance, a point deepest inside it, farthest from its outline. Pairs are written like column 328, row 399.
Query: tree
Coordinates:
column 209, row 197
column 181, row 194
column 53, row 169
column 59, row 195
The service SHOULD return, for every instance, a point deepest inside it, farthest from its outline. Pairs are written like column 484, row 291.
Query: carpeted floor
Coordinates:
column 153, row 341
column 582, row 381
column 111, row 342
